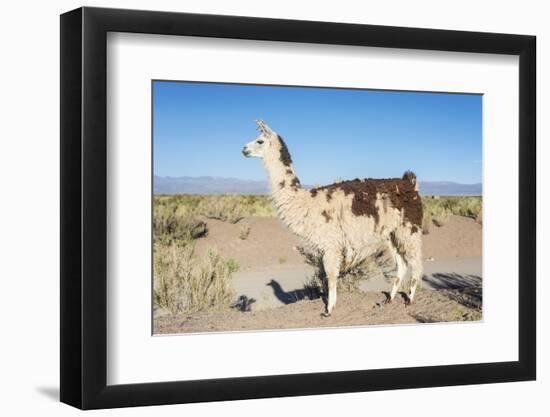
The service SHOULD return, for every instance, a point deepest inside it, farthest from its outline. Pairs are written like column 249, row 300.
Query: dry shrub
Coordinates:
column 183, row 284
column 170, row 224
column 434, row 214
column 311, row 255
column 227, row 208
column 464, row 206
column 348, row 281
column 314, row 287
column 438, row 210
column 249, row 205
column 257, row 206
column 479, row 217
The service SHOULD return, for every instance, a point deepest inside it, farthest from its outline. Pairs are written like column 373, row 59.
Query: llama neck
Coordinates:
column 288, row 195
column 281, row 177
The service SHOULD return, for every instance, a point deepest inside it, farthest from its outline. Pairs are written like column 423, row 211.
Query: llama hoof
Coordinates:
column 325, row 315
column 408, row 302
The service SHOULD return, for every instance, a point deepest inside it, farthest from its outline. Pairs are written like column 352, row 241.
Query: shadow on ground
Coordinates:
column 452, row 281
column 50, row 392
column 289, row 297
column 244, row 303
column 462, row 288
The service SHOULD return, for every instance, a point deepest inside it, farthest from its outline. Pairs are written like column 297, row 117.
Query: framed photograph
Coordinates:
column 259, row 208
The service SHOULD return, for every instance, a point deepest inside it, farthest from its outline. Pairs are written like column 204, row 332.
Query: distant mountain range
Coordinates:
column 449, row 188
column 217, row 185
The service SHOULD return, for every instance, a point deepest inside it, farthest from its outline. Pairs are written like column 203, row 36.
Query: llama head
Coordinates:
column 265, row 146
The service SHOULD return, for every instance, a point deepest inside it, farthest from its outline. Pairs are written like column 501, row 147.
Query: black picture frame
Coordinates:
column 84, row 207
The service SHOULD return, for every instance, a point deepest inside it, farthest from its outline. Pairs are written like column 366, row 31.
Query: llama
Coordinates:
column 346, row 222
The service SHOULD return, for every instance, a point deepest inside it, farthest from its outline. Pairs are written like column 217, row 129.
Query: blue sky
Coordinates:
column 199, row 129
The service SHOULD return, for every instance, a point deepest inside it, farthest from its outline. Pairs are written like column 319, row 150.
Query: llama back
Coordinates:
column 368, row 194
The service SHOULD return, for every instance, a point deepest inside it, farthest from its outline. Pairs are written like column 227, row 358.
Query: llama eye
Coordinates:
column 260, row 142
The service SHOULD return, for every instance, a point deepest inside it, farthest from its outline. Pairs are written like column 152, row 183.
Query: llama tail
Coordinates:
column 411, row 177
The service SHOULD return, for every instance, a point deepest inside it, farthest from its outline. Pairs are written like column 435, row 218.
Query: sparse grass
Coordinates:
column 479, row 217
column 460, row 313
column 233, row 265
column 226, row 207
column 184, row 284
column 475, row 315
column 171, row 224
column 182, row 281
column 438, row 210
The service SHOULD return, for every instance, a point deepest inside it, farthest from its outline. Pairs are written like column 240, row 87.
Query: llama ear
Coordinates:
column 264, row 128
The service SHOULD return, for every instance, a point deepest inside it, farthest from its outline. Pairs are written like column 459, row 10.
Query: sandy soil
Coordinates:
column 460, row 237
column 270, row 243
column 272, row 274
column 353, row 309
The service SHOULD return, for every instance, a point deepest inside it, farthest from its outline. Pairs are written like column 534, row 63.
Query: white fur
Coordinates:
column 346, row 239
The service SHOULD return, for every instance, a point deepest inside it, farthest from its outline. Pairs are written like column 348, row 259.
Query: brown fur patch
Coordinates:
column 285, row 154
column 313, row 192
column 288, row 171
column 282, row 184
column 295, row 183
column 399, row 192
column 327, row 216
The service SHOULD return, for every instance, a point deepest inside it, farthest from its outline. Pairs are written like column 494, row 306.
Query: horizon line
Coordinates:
column 265, row 180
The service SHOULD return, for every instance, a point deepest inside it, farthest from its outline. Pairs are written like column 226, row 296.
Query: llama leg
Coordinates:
column 409, row 246
column 413, row 257
column 416, row 277
column 331, row 264
column 400, row 273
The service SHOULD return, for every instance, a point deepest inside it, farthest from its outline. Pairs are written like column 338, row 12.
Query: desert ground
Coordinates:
column 269, row 287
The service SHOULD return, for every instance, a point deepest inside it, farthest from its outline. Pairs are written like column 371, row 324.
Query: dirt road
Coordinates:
column 278, row 285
